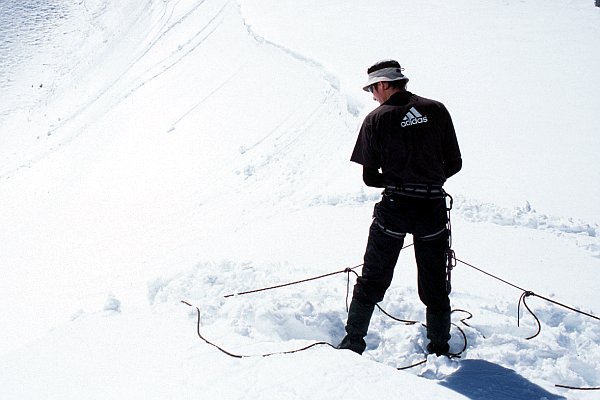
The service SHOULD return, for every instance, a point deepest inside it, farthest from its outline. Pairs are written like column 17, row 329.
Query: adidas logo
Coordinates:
column 413, row 117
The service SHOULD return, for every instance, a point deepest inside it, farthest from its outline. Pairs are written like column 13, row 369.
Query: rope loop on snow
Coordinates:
column 522, row 300
column 462, row 320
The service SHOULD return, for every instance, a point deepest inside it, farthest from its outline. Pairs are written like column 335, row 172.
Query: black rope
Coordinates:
column 524, row 295
column 577, row 388
column 527, row 293
column 321, row 343
column 407, row 322
column 449, row 355
column 293, row 283
column 230, row 354
column 565, row 306
column 410, row 322
column 348, row 270
column 522, row 299
column 302, row 280
column 462, row 320
column 412, row 365
column 487, row 273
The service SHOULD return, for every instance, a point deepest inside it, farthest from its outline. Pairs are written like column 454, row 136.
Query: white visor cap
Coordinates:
column 385, row 75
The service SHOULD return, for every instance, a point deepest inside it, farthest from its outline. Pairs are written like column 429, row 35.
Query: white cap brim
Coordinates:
column 384, row 75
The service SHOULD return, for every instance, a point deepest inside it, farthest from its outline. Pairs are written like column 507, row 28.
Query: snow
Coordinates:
column 159, row 151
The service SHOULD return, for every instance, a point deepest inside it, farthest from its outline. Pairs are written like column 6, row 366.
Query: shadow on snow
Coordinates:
column 479, row 379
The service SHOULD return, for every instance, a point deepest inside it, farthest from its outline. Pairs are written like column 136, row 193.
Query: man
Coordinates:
column 412, row 141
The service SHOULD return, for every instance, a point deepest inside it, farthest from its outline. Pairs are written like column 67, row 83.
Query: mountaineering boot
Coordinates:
column 438, row 332
column 359, row 316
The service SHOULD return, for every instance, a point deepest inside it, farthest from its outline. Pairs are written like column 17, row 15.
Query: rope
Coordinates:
column 527, row 293
column 487, row 273
column 524, row 295
column 230, row 354
column 522, row 299
column 407, row 322
column 462, row 320
column 293, row 283
column 346, row 270
column 449, row 355
column 412, row 365
column 302, row 280
column 577, row 388
column 565, row 306
column 320, row 343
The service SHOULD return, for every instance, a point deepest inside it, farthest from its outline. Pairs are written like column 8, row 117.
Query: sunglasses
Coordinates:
column 371, row 88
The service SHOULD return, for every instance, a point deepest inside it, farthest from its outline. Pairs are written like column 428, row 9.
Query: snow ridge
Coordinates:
column 331, row 78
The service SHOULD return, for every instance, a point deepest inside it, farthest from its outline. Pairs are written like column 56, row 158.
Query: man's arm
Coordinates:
column 372, row 177
column 452, row 167
column 452, row 156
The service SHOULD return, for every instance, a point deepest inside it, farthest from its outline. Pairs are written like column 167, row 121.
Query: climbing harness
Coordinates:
column 426, row 191
column 418, row 190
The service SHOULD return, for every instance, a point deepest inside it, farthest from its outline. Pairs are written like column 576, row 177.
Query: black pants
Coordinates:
column 395, row 216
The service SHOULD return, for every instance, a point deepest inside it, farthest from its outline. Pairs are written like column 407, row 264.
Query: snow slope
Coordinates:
column 520, row 79
column 159, row 151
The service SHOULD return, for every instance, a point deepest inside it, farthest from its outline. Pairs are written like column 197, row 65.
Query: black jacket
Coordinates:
column 412, row 140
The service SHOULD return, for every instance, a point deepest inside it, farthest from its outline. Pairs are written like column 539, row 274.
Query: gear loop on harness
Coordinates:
column 450, row 264
column 451, row 203
column 450, row 254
